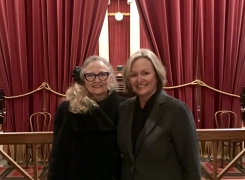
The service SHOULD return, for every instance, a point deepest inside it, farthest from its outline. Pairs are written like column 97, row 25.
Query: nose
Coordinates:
column 139, row 78
column 97, row 79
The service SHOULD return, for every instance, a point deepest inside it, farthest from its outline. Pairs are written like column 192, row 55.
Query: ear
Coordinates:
column 110, row 79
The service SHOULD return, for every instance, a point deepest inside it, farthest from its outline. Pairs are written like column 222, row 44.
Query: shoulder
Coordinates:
column 62, row 117
column 129, row 101
column 163, row 97
column 63, row 109
column 121, row 99
column 63, row 106
column 113, row 96
column 173, row 105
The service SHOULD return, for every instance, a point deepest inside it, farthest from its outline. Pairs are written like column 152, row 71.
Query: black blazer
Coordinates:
column 167, row 146
column 84, row 145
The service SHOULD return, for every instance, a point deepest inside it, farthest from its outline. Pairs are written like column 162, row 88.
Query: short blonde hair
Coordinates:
column 79, row 97
column 156, row 63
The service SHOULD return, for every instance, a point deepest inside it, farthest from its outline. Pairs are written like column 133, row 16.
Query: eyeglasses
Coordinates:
column 91, row 76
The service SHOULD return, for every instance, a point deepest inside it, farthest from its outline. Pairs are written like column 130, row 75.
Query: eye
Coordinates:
column 90, row 75
column 132, row 75
column 103, row 74
column 146, row 73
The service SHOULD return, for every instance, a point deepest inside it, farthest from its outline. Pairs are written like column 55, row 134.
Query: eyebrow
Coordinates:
column 142, row 70
column 95, row 73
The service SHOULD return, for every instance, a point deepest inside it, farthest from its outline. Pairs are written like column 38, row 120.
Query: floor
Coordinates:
column 4, row 162
column 237, row 172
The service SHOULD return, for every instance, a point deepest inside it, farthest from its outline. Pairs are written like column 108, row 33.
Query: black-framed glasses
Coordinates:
column 91, row 76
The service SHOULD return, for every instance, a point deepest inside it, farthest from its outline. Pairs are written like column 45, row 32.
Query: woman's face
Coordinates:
column 143, row 78
column 99, row 86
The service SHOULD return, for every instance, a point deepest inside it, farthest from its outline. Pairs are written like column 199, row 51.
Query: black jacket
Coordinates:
column 84, row 145
column 167, row 146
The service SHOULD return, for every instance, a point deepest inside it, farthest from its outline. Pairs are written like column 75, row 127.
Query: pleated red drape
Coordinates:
column 119, row 34
column 222, row 50
column 169, row 27
column 144, row 43
column 42, row 41
column 199, row 39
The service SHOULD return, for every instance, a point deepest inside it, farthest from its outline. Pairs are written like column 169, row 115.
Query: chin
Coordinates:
column 140, row 91
column 140, row 94
column 98, row 93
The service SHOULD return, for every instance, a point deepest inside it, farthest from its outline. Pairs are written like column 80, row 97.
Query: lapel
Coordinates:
column 154, row 117
column 128, row 116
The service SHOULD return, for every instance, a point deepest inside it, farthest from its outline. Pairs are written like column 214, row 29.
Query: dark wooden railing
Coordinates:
column 216, row 135
column 26, row 138
column 36, row 138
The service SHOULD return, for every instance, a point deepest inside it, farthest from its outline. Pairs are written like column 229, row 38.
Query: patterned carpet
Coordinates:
column 9, row 173
column 237, row 172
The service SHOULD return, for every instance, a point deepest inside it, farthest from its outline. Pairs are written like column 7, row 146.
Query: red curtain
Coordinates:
column 169, row 26
column 200, row 39
column 119, row 33
column 144, row 43
column 222, row 40
column 42, row 41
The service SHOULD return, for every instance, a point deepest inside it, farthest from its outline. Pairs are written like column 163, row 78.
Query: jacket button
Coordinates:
column 114, row 153
column 113, row 178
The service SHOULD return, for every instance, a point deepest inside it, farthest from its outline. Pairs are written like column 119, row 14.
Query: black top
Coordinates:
column 84, row 145
column 140, row 117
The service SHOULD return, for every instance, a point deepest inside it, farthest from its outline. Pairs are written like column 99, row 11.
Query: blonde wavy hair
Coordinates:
column 81, row 100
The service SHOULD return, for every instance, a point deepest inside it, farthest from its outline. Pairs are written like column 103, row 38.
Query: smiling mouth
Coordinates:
column 97, row 86
column 141, row 86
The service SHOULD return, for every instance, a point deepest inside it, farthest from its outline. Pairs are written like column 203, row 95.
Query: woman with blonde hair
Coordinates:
column 84, row 144
column 156, row 132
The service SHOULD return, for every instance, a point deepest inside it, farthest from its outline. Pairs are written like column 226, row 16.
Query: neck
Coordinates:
column 142, row 104
column 101, row 97
column 143, row 99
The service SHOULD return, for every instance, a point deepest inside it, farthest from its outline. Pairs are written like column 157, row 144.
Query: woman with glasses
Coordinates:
column 84, row 141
